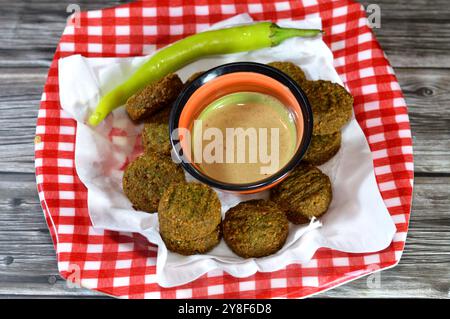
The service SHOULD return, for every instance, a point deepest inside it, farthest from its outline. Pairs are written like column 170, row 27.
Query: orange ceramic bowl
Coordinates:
column 233, row 78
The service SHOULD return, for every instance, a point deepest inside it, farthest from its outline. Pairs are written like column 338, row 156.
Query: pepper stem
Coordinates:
column 279, row 34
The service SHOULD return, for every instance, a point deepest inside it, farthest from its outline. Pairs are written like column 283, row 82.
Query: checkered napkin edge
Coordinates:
column 124, row 264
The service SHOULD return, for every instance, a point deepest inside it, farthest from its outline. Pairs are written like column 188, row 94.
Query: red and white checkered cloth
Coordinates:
column 124, row 264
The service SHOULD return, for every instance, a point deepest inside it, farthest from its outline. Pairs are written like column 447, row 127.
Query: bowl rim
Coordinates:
column 233, row 67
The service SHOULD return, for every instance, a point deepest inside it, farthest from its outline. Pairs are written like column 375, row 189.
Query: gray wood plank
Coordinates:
column 413, row 33
column 31, row 29
column 21, row 91
column 412, row 10
column 394, row 283
column 427, row 95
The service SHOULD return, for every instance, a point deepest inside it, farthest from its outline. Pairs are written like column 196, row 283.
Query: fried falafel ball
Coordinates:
column 292, row 70
column 155, row 138
column 331, row 104
column 197, row 246
column 188, row 211
column 147, row 177
column 256, row 228
column 160, row 117
column 322, row 148
column 304, row 194
column 154, row 97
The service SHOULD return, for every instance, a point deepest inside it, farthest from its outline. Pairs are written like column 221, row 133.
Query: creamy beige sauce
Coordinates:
column 231, row 159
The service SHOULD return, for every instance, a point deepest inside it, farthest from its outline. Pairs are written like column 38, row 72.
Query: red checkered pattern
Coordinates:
column 123, row 264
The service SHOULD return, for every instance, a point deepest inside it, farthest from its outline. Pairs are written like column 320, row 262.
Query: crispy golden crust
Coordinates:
column 188, row 211
column 154, row 97
column 322, row 148
column 304, row 194
column 192, row 247
column 155, row 139
column 331, row 104
column 292, row 70
column 255, row 228
column 160, row 117
column 147, row 177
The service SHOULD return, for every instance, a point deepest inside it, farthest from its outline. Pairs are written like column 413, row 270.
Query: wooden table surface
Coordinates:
column 415, row 35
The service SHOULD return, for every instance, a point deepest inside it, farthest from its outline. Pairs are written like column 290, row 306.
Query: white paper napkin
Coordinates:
column 357, row 220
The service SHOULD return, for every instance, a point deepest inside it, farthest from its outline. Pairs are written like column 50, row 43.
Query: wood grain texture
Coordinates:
column 415, row 35
column 412, row 33
column 427, row 95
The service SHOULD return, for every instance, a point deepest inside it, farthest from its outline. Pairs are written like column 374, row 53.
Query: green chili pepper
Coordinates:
column 174, row 57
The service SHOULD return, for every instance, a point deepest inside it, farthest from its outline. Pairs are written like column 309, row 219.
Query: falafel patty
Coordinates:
column 292, row 70
column 322, row 148
column 304, row 194
column 160, row 117
column 188, row 211
column 331, row 104
column 192, row 247
column 256, row 228
column 155, row 138
column 154, row 97
column 147, row 177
